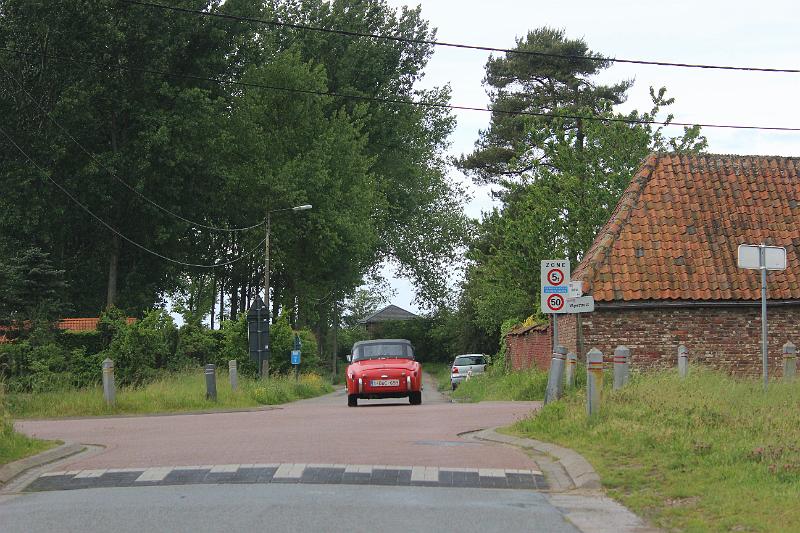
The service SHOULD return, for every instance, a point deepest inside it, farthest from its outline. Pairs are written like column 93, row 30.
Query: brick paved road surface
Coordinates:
column 321, row 430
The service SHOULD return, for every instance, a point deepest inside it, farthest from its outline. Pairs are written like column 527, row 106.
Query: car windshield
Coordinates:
column 464, row 360
column 383, row 351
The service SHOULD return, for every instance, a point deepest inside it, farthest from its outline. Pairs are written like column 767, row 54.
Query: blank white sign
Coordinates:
column 750, row 257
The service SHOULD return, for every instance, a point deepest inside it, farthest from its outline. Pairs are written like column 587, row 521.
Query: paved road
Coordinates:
column 321, row 430
column 281, row 508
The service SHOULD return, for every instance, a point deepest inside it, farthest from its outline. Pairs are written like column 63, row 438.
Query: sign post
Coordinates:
column 763, row 258
column 296, row 356
column 555, row 289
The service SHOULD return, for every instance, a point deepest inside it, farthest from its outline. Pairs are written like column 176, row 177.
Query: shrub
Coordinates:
column 234, row 346
column 196, row 345
column 138, row 349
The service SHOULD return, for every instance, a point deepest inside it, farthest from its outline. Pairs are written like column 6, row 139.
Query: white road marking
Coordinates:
column 154, row 474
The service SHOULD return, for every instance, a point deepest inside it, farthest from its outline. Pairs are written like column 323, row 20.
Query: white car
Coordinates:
column 465, row 366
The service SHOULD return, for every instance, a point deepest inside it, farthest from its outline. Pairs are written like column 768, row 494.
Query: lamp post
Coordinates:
column 265, row 364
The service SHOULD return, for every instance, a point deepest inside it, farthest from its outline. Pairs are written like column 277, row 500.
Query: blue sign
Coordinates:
column 295, row 357
column 548, row 289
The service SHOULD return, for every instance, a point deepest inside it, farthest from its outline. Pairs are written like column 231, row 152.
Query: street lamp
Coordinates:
column 265, row 363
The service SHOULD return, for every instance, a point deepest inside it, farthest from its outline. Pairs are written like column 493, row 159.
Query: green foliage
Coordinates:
column 560, row 178
column 13, row 445
column 708, row 453
column 89, row 341
column 138, row 349
column 234, row 346
column 196, row 345
column 170, row 392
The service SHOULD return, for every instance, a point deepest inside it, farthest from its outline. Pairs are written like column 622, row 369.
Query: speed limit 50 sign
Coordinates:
column 555, row 285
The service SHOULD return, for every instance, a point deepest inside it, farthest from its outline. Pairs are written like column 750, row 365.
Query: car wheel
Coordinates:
column 415, row 398
column 352, row 400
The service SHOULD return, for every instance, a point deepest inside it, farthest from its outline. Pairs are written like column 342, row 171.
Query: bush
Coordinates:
column 89, row 341
column 234, row 346
column 196, row 345
column 138, row 349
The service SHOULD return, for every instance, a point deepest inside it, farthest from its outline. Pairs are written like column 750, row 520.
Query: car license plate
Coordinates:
column 385, row 383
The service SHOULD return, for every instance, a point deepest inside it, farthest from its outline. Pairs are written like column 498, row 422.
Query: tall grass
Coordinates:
column 711, row 453
column 174, row 392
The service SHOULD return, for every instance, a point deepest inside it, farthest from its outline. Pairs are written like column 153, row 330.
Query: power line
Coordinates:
column 112, row 172
column 454, row 45
column 419, row 103
column 114, row 230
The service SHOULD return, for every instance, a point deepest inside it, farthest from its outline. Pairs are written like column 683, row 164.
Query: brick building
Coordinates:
column 663, row 270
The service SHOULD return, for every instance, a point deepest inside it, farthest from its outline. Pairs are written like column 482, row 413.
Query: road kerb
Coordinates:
column 13, row 470
column 580, row 472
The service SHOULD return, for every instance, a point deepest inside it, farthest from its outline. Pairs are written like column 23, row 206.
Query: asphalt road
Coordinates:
column 309, row 508
column 320, row 430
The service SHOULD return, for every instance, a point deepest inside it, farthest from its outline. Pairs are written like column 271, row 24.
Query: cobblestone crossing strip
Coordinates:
column 292, row 473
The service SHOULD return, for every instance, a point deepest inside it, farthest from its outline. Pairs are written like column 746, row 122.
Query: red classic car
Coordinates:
column 383, row 368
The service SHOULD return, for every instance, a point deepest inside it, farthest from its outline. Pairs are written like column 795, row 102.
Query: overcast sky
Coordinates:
column 734, row 32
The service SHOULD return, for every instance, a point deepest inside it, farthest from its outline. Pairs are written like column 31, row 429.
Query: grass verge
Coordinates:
column 710, row 453
column 176, row 392
column 13, row 445
column 523, row 385
column 440, row 372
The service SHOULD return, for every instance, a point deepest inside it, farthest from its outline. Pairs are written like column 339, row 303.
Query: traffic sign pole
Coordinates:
column 763, row 267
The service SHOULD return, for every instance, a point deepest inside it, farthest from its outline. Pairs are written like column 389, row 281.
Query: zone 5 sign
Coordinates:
column 555, row 285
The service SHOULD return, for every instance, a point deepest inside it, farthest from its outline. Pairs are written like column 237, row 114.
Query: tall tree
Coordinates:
column 561, row 159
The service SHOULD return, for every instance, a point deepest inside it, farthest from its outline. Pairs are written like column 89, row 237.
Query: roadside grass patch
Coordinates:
column 441, row 373
column 13, row 445
column 172, row 392
column 710, row 453
column 524, row 385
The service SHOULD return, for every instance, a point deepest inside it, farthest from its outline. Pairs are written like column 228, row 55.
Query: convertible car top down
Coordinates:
column 383, row 368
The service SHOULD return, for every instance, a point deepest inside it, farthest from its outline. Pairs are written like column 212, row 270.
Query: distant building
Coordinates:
column 390, row 313
column 65, row 324
column 663, row 270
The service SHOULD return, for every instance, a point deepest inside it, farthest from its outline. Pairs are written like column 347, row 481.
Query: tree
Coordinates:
column 560, row 173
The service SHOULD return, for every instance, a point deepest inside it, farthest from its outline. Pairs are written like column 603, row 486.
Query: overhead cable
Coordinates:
column 453, row 45
column 114, row 230
column 419, row 103
column 112, row 172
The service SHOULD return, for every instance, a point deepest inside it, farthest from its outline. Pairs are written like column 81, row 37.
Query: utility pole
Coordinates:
column 265, row 363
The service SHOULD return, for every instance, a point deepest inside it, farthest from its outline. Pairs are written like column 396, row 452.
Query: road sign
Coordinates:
column 295, row 357
column 763, row 258
column 750, row 257
column 555, row 285
column 575, row 289
column 582, row 304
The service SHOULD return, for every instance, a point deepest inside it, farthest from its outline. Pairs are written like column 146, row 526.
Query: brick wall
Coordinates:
column 727, row 338
column 529, row 346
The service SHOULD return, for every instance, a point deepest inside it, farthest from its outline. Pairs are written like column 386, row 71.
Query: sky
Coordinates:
column 733, row 32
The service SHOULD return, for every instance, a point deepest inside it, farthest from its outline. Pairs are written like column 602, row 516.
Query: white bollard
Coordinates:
column 594, row 380
column 622, row 355
column 789, row 362
column 571, row 369
column 683, row 361
column 233, row 373
column 109, row 387
column 555, row 378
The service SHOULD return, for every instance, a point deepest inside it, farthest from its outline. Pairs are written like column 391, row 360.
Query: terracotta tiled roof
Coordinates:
column 675, row 232
column 83, row 324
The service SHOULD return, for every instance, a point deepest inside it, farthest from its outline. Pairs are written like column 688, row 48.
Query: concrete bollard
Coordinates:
column 233, row 373
column 555, row 378
column 571, row 369
column 594, row 380
column 622, row 356
column 109, row 387
column 789, row 362
column 683, row 361
column 211, row 382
